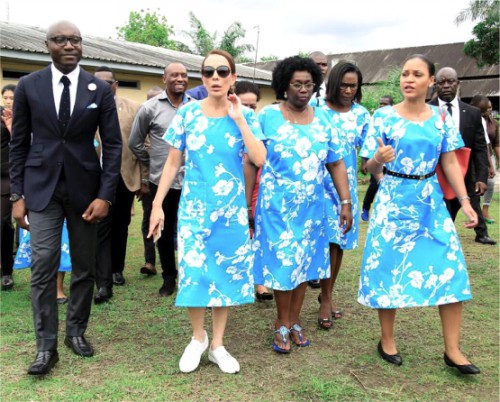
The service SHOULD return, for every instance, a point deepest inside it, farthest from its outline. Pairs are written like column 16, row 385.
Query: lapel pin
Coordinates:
column 92, row 86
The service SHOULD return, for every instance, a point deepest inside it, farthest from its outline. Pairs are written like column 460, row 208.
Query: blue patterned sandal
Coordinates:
column 285, row 337
column 301, row 343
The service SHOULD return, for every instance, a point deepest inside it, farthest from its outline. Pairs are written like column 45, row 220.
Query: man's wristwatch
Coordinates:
column 15, row 197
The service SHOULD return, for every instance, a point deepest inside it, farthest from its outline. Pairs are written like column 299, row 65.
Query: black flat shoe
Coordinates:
column 264, row 296
column 463, row 368
column 79, row 346
column 43, row 363
column 393, row 359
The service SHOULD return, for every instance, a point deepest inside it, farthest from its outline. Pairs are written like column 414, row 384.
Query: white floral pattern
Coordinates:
column 290, row 241
column 23, row 254
column 412, row 255
column 352, row 128
column 214, row 251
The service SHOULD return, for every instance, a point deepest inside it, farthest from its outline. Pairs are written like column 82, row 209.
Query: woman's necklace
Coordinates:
column 296, row 118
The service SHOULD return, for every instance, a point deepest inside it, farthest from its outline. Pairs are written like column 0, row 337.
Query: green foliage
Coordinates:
column 149, row 28
column 373, row 93
column 271, row 57
column 484, row 48
column 203, row 41
column 229, row 42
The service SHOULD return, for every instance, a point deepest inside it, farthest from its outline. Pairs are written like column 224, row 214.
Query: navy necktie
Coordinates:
column 450, row 108
column 65, row 105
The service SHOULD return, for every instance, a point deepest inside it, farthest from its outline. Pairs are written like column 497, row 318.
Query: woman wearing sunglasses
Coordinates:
column 214, row 250
column 290, row 240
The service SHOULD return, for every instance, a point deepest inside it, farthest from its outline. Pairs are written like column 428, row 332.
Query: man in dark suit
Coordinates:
column 112, row 232
column 468, row 119
column 56, row 174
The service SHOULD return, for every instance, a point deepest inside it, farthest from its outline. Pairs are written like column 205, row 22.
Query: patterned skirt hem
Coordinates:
column 188, row 305
column 456, row 300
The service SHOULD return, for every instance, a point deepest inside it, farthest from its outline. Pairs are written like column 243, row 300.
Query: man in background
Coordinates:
column 152, row 121
column 113, row 230
column 468, row 120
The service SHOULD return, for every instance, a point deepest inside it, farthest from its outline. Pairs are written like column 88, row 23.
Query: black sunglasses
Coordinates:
column 222, row 71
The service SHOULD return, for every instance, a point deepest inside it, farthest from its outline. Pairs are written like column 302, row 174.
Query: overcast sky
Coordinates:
column 285, row 27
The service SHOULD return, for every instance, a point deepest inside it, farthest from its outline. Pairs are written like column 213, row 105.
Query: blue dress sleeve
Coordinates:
column 253, row 123
column 375, row 128
column 176, row 133
column 452, row 139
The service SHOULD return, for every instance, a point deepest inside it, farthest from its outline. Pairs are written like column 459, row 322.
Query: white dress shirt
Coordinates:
column 58, row 86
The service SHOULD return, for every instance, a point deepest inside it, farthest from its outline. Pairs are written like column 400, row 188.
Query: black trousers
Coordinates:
column 112, row 237
column 370, row 193
column 149, row 245
column 6, row 230
column 46, row 232
column 166, row 244
column 475, row 202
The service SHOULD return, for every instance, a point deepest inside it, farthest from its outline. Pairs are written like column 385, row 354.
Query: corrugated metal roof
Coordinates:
column 376, row 64
column 18, row 39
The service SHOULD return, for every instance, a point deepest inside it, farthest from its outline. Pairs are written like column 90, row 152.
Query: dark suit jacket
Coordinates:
column 39, row 150
column 472, row 131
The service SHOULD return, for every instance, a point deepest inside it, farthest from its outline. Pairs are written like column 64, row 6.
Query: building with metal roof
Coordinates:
column 138, row 67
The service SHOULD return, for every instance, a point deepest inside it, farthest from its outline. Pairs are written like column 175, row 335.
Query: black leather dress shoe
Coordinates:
column 485, row 240
column 167, row 288
column 463, row 368
column 103, row 295
column 7, row 282
column 118, row 279
column 79, row 346
column 43, row 363
column 393, row 359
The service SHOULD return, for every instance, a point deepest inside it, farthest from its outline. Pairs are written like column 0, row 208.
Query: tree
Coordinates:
column 203, row 41
column 487, row 32
column 373, row 93
column 149, row 28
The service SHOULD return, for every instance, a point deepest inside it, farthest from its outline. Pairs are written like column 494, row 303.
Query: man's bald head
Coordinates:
column 447, row 84
column 56, row 28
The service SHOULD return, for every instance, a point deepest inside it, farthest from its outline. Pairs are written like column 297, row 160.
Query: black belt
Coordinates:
column 411, row 176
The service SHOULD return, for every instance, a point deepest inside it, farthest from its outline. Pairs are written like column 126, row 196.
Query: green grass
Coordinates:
column 139, row 338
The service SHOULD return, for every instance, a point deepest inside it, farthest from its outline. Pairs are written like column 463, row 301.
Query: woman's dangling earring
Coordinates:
column 285, row 95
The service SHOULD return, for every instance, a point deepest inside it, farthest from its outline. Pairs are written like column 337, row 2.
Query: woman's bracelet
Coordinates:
column 375, row 158
column 464, row 197
column 345, row 202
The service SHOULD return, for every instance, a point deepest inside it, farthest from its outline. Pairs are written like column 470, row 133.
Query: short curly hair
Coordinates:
column 283, row 73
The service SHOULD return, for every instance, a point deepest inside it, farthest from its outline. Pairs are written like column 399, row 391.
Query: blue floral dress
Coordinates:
column 352, row 127
column 412, row 255
column 23, row 254
column 290, row 241
column 214, row 250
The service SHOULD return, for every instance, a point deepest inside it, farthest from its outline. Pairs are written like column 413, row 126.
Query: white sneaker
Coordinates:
column 191, row 357
column 226, row 362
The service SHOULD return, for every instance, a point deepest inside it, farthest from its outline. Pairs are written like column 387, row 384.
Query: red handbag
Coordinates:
column 463, row 156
